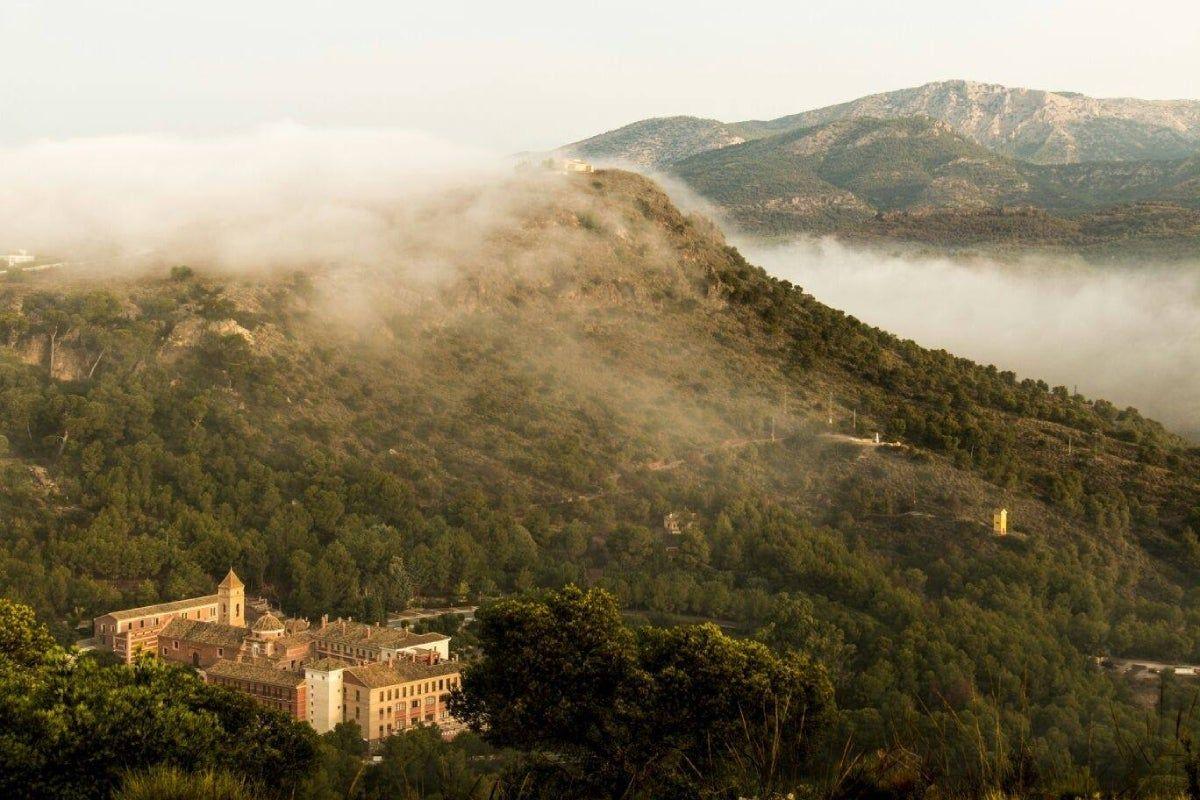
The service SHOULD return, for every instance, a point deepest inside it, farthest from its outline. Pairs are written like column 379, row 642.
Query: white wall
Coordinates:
column 324, row 698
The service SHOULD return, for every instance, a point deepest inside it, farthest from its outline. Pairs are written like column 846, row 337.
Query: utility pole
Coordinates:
column 855, row 417
column 783, row 398
column 829, row 409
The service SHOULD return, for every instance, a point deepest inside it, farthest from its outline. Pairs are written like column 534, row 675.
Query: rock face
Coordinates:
column 1031, row 124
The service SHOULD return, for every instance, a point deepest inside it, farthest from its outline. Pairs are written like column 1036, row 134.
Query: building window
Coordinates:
column 175, row 644
column 220, row 651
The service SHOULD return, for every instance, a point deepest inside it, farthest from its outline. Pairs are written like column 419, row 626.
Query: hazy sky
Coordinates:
column 510, row 75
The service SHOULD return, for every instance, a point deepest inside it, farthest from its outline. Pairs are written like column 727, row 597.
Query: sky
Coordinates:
column 525, row 75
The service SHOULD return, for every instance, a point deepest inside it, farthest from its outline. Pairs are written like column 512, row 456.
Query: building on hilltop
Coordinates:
column 561, row 165
column 19, row 257
column 131, row 631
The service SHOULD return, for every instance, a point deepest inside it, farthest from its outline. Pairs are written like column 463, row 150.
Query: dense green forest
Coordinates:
column 582, row 365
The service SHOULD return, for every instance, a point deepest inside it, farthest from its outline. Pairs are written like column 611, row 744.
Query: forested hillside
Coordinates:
column 519, row 398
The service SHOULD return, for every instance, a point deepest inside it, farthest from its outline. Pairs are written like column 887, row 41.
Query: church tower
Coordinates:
column 231, row 600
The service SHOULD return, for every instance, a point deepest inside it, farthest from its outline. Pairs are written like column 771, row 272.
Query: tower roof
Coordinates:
column 231, row 581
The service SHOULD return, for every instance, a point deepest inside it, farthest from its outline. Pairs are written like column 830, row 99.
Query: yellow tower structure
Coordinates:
column 1000, row 522
column 231, row 594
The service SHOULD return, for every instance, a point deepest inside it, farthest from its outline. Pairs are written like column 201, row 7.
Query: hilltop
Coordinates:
column 587, row 360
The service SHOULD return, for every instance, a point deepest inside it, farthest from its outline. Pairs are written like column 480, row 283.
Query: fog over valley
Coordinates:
column 287, row 196
column 1129, row 334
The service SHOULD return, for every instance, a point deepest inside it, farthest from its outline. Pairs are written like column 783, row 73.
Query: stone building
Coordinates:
column 358, row 643
column 381, row 698
column 131, row 631
column 382, row 679
column 200, row 643
column 275, row 688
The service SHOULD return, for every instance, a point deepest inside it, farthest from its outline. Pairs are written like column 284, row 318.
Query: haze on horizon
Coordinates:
column 536, row 74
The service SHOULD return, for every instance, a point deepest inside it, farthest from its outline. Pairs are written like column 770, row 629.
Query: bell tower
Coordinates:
column 231, row 601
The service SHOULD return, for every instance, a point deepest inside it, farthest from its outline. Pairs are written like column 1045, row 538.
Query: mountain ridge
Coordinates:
column 1032, row 124
column 846, row 175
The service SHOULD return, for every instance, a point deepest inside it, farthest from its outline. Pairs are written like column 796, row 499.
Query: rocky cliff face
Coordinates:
column 1040, row 126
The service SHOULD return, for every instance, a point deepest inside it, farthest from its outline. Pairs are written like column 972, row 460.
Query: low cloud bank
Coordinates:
column 1131, row 335
column 283, row 195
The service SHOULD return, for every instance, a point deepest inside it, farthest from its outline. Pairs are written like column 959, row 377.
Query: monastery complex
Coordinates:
column 379, row 678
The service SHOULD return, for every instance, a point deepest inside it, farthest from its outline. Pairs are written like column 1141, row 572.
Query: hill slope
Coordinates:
column 585, row 361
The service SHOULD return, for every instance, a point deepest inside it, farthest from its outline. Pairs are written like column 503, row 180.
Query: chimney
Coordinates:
column 324, row 621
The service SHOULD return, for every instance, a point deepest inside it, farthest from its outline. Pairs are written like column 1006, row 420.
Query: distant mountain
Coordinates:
column 849, row 170
column 914, row 178
column 1033, row 125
